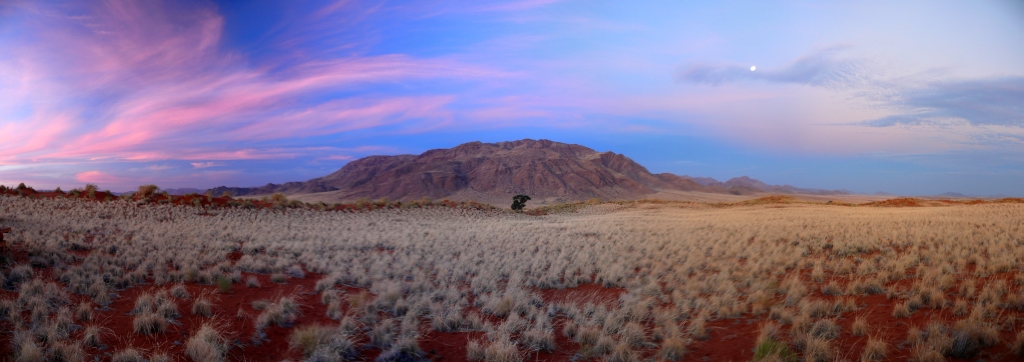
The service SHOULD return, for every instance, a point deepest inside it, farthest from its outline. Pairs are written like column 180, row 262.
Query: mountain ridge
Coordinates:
column 543, row 169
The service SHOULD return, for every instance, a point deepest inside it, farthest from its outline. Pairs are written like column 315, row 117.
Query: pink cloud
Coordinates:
column 98, row 177
column 173, row 87
column 337, row 158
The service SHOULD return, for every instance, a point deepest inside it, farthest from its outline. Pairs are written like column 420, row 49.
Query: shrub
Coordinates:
column 296, row 272
column 539, row 339
column 29, row 351
column 382, row 335
column 901, row 310
column 91, row 336
column 168, row 309
column 84, row 312
column 149, row 323
column 260, row 304
column 519, row 202
column 143, row 303
column 128, row 355
column 818, row 350
column 875, row 350
column 252, row 282
column 306, row 339
column 502, row 351
column 202, row 307
column 321, row 343
column 621, row 353
column 146, row 191
column 825, row 328
column 223, row 284
column 279, row 278
column 1017, row 347
column 179, row 291
column 673, row 349
column 969, row 336
column 859, row 327
column 773, row 350
column 475, row 351
column 206, row 345
column 832, row 288
column 67, row 352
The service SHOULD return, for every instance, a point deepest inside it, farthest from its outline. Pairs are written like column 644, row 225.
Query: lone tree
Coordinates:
column 519, row 202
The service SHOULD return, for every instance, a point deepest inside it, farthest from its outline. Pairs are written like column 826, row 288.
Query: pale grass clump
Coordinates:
column 325, row 342
column 502, row 351
column 29, row 351
column 673, row 349
column 147, row 323
column 876, row 349
column 1017, row 345
column 207, row 345
column 475, row 351
column 859, row 326
column 128, row 355
column 901, row 310
column 202, row 307
column 818, row 350
column 66, row 351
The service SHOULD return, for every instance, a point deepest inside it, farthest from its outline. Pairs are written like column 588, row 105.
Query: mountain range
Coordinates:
column 542, row 169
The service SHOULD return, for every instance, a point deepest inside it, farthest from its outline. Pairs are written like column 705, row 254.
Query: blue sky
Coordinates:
column 910, row 97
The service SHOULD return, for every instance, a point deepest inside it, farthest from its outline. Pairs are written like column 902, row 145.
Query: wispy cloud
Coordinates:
column 822, row 67
column 917, row 100
column 98, row 177
column 165, row 84
column 998, row 101
column 206, row 164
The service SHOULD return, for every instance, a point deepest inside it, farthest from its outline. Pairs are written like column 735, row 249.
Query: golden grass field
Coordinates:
column 769, row 280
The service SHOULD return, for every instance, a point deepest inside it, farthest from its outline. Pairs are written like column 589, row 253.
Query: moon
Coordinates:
column 752, row 68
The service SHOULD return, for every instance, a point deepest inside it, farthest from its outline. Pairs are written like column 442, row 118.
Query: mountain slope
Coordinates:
column 542, row 169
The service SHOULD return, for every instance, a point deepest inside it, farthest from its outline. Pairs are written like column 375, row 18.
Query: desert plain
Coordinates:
column 768, row 279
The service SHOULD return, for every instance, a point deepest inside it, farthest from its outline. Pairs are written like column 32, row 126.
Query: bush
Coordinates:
column 502, row 351
column 278, row 278
column 202, row 307
column 875, row 350
column 519, row 202
column 321, row 343
column 223, row 284
column 146, row 191
column 673, row 349
column 206, row 345
column 773, row 350
column 149, row 323
column 128, row 355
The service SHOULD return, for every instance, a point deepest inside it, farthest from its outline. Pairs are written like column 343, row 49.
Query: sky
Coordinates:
column 906, row 97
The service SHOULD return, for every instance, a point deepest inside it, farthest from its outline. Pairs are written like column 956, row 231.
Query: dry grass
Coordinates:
column 875, row 350
column 859, row 327
column 207, row 345
column 683, row 266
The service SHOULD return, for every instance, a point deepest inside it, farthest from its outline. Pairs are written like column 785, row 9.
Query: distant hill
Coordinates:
column 952, row 194
column 542, row 169
column 183, row 191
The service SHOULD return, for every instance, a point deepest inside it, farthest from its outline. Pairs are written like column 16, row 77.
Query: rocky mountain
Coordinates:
column 542, row 169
